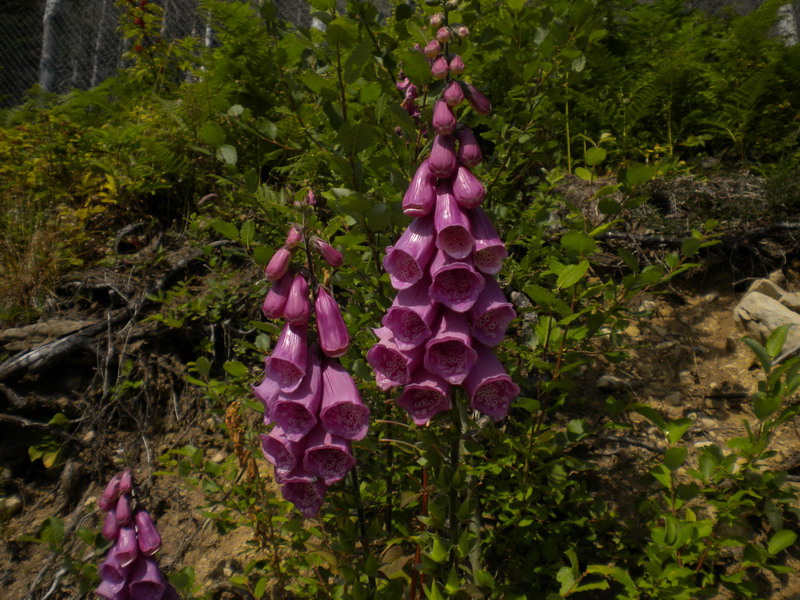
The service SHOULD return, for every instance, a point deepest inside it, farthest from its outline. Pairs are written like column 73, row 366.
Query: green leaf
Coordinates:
column 566, row 577
column 52, row 532
column 578, row 242
column 484, row 579
column 781, row 540
column 675, row 457
column 708, row 465
column 229, row 230
column 636, row 174
column 247, row 232
column 260, row 588
column 316, row 83
column 690, row 246
column 227, row 153
column 594, row 156
column 416, row 67
column 212, row 133
column 236, row 110
column 572, row 274
column 341, row 32
column 262, row 254
column 765, row 405
column 583, row 173
column 676, row 429
column 776, row 340
column 355, row 137
column 439, row 552
column 515, row 5
column 761, row 353
column 235, row 368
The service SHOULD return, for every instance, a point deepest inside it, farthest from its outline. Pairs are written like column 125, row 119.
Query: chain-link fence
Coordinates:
column 75, row 44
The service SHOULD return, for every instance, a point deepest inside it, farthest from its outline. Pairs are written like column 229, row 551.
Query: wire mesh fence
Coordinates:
column 64, row 45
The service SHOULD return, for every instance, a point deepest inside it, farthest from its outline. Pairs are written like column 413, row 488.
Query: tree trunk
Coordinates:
column 48, row 64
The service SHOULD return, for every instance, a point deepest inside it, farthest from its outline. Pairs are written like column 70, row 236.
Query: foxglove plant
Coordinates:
column 449, row 310
column 310, row 400
column 129, row 570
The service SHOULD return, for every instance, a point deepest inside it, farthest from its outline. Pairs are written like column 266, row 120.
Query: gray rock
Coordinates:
column 610, row 383
column 759, row 315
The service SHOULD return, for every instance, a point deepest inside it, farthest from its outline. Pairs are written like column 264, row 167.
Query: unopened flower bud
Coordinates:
column 444, row 35
column 439, row 68
column 462, row 32
column 294, row 237
column 456, row 65
column 432, row 49
column 331, row 255
column 437, row 20
column 453, row 94
column 278, row 264
column 433, row 2
column 477, row 100
column 451, row 4
column 126, row 482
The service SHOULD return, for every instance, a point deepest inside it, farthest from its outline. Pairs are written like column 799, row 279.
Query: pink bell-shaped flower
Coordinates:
column 449, row 353
column 432, row 49
column 275, row 300
column 442, row 162
column 452, row 225
column 453, row 94
column 456, row 64
column 147, row 535
column 490, row 251
column 411, row 315
column 333, row 336
column 108, row 499
column 146, row 582
column 294, row 237
column 469, row 152
column 420, row 197
column 444, row 35
column 123, row 510
column 126, row 482
column 342, row 413
column 444, row 121
column 109, row 590
column 331, row 255
column 491, row 314
column 489, row 387
column 391, row 365
column 425, row 397
column 111, row 569
column 278, row 265
column 477, row 100
column 284, row 454
column 328, row 456
column 110, row 529
column 127, row 548
column 454, row 283
column 287, row 364
column 296, row 412
column 298, row 308
column 407, row 259
column 467, row 189
column 267, row 392
column 440, row 67
column 307, row 496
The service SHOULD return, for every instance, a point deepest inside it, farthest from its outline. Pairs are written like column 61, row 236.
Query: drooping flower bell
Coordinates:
column 333, row 336
column 278, row 264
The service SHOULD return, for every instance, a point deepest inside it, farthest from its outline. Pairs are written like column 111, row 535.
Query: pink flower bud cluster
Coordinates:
column 129, row 570
column 309, row 398
column 449, row 310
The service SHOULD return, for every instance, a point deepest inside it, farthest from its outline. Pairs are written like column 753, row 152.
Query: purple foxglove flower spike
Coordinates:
column 407, row 259
column 111, row 570
column 453, row 94
column 455, row 283
column 392, row 366
column 297, row 307
column 307, row 497
column 477, row 100
column 333, row 336
column 440, row 68
column 275, row 300
column 411, row 315
column 489, row 248
column 489, row 387
column 112, row 591
column 110, row 529
column 147, row 534
column 432, row 49
column 469, row 152
column 342, row 413
column 491, row 314
column 328, row 456
column 331, row 255
column 278, row 264
column 147, row 582
column 456, row 65
column 296, row 412
column 442, row 162
column 294, row 237
column 425, row 397
column 451, row 224
column 287, row 364
column 420, row 197
column 282, row 453
column 467, row 189
column 444, row 35
column 449, row 353
column 123, row 509
column 126, row 482
column 444, row 121
column 127, row 549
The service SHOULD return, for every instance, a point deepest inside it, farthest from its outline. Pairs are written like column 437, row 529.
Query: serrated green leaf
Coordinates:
column 235, row 368
column 578, row 242
column 247, row 232
column 229, row 230
column 212, row 133
column 572, row 274
column 227, row 153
